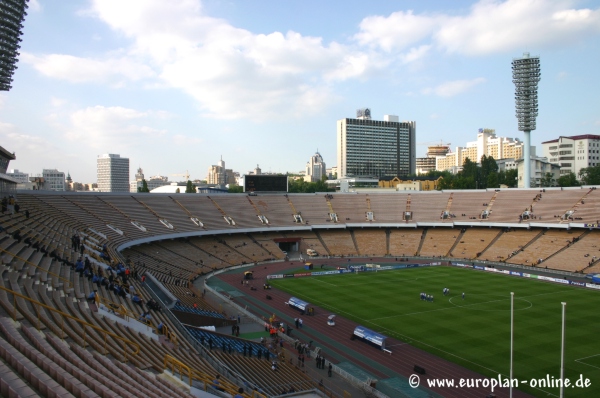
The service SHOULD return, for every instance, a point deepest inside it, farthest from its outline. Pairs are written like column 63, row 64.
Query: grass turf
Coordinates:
column 474, row 332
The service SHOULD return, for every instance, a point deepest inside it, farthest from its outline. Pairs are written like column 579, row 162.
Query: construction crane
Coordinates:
column 186, row 175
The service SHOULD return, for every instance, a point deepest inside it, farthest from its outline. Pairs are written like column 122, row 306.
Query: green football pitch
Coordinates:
column 475, row 331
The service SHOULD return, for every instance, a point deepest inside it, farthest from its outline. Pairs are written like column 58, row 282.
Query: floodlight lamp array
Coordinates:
column 526, row 75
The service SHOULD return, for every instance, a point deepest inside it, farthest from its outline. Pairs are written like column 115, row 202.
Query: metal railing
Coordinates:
column 183, row 370
column 126, row 342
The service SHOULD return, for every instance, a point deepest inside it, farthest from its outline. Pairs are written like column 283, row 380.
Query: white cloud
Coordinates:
column 185, row 140
column 34, row 6
column 398, row 31
column 102, row 127
column 415, row 54
column 57, row 102
column 78, row 70
column 494, row 26
column 230, row 72
column 31, row 146
column 452, row 88
column 490, row 26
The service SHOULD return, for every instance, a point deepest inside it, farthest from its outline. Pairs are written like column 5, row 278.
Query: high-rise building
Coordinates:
column 113, row 173
column 427, row 164
column 487, row 143
column 219, row 175
column 573, row 153
column 315, row 168
column 54, row 180
column 12, row 14
column 379, row 148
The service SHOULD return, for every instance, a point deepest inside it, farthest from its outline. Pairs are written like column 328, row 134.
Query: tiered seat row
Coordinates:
column 339, row 242
column 508, row 244
column 438, row 241
column 285, row 379
column 405, row 241
column 371, row 242
column 577, row 256
column 547, row 244
column 473, row 242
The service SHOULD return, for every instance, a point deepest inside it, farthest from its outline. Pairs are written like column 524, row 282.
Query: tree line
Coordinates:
column 486, row 175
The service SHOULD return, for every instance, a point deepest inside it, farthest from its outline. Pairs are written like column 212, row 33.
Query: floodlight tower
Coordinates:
column 526, row 75
column 12, row 14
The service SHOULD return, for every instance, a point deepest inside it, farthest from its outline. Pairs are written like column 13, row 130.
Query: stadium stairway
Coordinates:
column 456, row 242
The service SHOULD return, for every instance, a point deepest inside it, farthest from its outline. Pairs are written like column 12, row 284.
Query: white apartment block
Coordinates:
column 54, row 180
column 19, row 176
column 487, row 143
column 573, row 153
column 113, row 173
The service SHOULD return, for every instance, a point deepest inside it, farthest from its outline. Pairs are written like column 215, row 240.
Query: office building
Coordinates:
column 113, row 173
column 54, row 180
column 573, row 153
column 376, row 148
column 315, row 168
column 219, row 175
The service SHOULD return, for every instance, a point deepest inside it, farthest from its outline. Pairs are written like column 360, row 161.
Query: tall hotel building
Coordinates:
column 113, row 173
column 377, row 148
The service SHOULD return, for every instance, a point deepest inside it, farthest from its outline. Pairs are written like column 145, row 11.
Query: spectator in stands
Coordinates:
column 153, row 305
column 136, row 299
column 92, row 297
column 160, row 328
column 216, row 384
column 239, row 393
column 79, row 266
column 142, row 317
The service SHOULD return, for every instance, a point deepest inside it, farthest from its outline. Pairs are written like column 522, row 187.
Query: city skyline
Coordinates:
column 170, row 85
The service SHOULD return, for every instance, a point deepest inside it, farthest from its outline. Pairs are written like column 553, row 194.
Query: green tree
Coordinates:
column 590, row 175
column 568, row 180
column 489, row 167
column 144, row 187
column 190, row 188
column 233, row 188
column 547, row 180
column 492, row 180
column 301, row 186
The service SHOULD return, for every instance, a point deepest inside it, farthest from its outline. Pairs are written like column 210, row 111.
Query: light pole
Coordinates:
column 526, row 75
column 512, row 306
column 562, row 351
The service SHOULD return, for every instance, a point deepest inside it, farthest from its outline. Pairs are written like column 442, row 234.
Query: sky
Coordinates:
column 176, row 85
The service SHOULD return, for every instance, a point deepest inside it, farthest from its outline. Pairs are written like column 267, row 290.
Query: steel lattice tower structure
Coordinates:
column 526, row 75
column 12, row 14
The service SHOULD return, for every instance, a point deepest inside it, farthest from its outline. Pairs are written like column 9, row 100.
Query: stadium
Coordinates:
column 181, row 258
